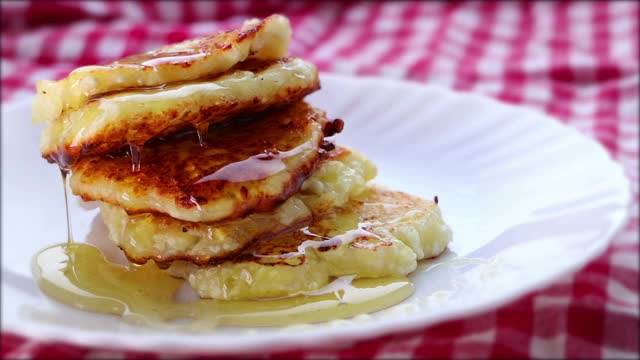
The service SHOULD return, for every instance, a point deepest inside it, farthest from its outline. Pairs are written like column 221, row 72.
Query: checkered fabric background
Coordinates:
column 575, row 61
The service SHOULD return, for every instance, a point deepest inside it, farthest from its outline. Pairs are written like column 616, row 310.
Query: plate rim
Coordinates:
column 194, row 344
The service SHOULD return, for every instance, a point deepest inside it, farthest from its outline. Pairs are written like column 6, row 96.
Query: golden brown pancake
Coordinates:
column 135, row 116
column 340, row 175
column 248, row 165
column 164, row 239
column 382, row 233
column 189, row 60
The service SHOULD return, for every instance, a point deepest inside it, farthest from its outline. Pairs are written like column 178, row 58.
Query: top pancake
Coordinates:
column 248, row 165
column 189, row 60
column 111, row 121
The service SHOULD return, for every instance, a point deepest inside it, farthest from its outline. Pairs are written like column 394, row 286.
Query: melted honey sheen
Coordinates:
column 79, row 275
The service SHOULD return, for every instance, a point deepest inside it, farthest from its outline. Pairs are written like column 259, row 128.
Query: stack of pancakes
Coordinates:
column 206, row 159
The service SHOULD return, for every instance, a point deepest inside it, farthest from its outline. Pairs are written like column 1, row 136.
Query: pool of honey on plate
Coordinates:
column 79, row 275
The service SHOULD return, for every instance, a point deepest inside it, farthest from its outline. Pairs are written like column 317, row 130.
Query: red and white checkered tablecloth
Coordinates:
column 576, row 61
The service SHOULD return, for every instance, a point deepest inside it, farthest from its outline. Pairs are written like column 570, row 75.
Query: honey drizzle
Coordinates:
column 135, row 151
column 263, row 165
column 202, row 130
column 65, row 174
column 325, row 241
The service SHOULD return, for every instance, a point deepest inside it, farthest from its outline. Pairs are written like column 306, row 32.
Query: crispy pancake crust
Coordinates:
column 248, row 165
column 119, row 118
column 382, row 233
column 165, row 239
column 189, row 60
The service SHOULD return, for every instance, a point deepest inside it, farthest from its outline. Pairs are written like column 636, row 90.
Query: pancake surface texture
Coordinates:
column 381, row 233
column 164, row 239
column 136, row 116
column 248, row 165
column 266, row 39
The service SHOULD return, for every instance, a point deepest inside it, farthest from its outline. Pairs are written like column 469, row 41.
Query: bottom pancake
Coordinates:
column 341, row 174
column 379, row 233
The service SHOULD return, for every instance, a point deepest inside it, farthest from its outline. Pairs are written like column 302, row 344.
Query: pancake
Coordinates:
column 165, row 239
column 136, row 116
column 381, row 233
column 247, row 165
column 189, row 60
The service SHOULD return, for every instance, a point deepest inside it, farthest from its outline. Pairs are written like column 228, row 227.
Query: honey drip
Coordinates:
column 203, row 132
column 80, row 276
column 135, row 151
column 65, row 174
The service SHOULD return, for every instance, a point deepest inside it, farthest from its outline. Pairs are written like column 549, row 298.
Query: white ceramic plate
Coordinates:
column 529, row 200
